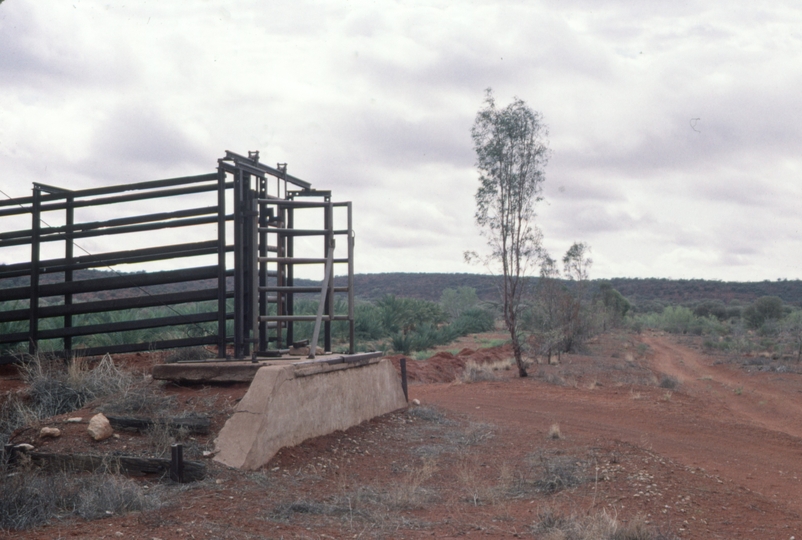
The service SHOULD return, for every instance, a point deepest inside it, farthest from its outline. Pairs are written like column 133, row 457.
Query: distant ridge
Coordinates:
column 673, row 291
column 429, row 286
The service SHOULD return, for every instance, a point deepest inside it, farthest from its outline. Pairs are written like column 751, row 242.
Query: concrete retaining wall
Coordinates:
column 282, row 408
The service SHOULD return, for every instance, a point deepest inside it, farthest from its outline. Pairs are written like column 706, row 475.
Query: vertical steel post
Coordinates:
column 33, row 307
column 289, row 298
column 263, row 341
column 177, row 463
column 351, row 318
column 404, row 386
column 68, row 274
column 238, row 267
column 222, row 285
column 328, row 292
column 254, row 266
column 281, row 272
column 247, row 266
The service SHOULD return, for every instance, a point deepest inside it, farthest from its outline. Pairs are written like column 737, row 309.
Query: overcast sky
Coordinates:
column 675, row 128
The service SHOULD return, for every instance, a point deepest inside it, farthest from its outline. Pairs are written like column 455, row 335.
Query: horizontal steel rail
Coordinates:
column 59, row 193
column 261, row 168
column 127, row 281
column 302, row 232
column 118, row 304
column 58, row 301
column 298, row 289
column 103, row 260
column 302, row 318
column 303, row 204
column 300, row 260
column 114, row 200
column 121, row 326
column 112, row 223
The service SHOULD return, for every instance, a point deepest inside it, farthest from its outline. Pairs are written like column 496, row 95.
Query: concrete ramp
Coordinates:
column 287, row 404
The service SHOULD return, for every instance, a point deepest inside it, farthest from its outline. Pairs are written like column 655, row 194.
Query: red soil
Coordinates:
column 718, row 456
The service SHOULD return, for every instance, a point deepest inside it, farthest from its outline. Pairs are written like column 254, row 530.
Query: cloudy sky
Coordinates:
column 675, row 128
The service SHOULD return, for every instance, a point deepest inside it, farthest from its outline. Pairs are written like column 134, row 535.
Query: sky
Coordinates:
column 675, row 128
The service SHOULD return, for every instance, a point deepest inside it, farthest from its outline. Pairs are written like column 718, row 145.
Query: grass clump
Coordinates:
column 56, row 387
column 428, row 414
column 668, row 382
column 31, row 499
column 474, row 372
column 597, row 526
column 139, row 400
column 556, row 473
column 367, row 504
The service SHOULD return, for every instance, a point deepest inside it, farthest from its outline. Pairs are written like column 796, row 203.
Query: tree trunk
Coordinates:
column 516, row 349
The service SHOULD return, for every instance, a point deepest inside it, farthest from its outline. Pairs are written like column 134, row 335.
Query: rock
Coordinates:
column 50, row 432
column 74, row 420
column 99, row 427
column 416, row 402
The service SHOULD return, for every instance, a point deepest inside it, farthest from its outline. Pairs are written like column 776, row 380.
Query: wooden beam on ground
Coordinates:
column 192, row 424
column 135, row 466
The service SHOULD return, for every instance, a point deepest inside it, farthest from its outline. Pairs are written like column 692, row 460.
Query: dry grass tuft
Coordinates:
column 668, row 382
column 31, row 499
column 475, row 372
column 598, row 526
column 56, row 387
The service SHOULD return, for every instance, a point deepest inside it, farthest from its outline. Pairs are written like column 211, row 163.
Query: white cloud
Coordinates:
column 675, row 128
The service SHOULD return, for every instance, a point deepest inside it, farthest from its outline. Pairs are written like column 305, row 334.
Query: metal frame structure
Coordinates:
column 254, row 208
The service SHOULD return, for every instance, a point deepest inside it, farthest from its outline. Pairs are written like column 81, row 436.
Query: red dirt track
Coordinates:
column 742, row 428
column 717, row 456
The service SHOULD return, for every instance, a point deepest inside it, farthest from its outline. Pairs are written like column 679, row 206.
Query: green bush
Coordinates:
column 765, row 308
column 474, row 321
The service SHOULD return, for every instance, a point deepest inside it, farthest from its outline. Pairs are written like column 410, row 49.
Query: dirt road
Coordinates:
column 745, row 429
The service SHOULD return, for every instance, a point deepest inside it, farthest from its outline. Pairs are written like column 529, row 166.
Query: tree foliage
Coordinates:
column 511, row 155
column 455, row 301
column 764, row 309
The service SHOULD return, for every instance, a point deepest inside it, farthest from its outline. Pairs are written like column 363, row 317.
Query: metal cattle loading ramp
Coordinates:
column 249, row 296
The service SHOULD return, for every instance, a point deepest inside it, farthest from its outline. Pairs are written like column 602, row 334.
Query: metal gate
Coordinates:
column 241, row 298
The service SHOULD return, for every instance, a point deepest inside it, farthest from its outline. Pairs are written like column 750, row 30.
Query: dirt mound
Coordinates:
column 446, row 367
column 442, row 367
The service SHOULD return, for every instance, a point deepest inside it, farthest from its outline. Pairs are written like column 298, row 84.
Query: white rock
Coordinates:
column 50, row 432
column 99, row 427
column 74, row 420
column 416, row 401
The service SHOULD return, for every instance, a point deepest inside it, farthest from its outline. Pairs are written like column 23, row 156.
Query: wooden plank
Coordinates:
column 192, row 424
column 193, row 470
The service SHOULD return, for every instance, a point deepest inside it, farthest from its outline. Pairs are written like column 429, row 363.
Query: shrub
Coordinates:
column 474, row 321
column 57, row 388
column 669, row 382
column 31, row 499
column 763, row 309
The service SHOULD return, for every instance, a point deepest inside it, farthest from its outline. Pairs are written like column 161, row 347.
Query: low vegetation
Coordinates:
column 57, row 387
column 32, row 498
column 765, row 325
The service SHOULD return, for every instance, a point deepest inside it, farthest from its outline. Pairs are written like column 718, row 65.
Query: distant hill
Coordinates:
column 422, row 286
column 680, row 291
column 430, row 286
